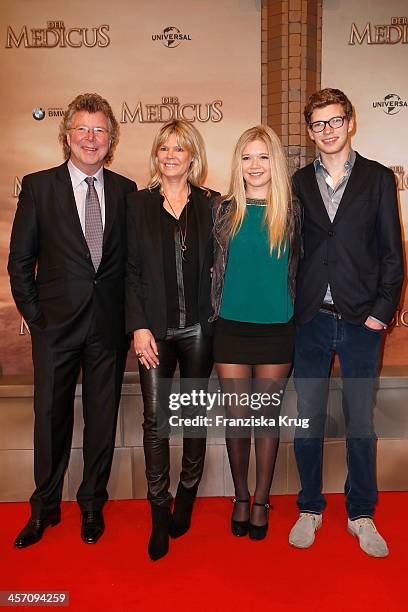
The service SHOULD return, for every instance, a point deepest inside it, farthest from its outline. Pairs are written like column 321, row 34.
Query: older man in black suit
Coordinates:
column 348, row 287
column 66, row 266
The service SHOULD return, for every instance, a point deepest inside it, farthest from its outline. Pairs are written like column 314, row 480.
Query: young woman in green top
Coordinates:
column 256, row 246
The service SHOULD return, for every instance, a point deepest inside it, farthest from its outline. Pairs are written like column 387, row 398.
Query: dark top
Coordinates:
column 359, row 253
column 146, row 301
column 180, row 268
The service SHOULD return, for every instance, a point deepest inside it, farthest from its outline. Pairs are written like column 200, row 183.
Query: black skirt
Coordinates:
column 253, row 343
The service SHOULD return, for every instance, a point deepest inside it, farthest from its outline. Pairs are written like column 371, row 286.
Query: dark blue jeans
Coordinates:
column 358, row 349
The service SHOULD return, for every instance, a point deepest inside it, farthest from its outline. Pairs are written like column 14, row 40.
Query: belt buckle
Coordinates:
column 331, row 309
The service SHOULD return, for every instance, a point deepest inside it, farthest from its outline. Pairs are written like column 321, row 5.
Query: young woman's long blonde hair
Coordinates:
column 279, row 196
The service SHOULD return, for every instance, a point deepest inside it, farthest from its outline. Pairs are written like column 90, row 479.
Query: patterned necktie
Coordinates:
column 93, row 223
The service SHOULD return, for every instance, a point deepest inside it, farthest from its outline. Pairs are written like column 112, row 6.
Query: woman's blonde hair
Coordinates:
column 279, row 196
column 187, row 137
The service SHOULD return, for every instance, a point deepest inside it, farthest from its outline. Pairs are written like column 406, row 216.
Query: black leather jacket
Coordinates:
column 221, row 237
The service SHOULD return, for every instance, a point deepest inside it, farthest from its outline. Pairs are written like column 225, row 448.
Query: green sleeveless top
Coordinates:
column 256, row 282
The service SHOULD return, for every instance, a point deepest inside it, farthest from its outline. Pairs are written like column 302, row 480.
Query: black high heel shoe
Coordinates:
column 258, row 532
column 240, row 528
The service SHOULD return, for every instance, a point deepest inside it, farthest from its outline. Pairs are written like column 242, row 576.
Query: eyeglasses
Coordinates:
column 334, row 122
column 82, row 131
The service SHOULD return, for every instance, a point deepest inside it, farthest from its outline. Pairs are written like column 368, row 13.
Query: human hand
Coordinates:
column 145, row 348
column 373, row 324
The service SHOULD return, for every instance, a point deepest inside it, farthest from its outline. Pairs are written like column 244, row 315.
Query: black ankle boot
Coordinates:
column 159, row 539
column 183, row 508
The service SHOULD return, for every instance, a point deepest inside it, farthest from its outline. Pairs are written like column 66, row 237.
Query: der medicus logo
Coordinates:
column 56, row 34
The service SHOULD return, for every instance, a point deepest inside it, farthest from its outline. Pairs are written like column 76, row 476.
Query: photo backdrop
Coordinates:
column 198, row 59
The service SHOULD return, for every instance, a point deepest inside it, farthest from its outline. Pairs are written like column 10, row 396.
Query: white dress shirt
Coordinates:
column 80, row 188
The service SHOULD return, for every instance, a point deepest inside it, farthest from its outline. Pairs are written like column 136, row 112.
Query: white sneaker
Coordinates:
column 370, row 540
column 303, row 531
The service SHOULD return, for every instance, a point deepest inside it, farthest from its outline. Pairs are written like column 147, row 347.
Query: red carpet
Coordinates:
column 208, row 568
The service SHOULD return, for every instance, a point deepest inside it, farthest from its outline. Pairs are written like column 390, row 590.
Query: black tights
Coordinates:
column 242, row 378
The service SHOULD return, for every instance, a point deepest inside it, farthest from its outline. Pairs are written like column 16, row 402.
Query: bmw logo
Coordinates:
column 38, row 114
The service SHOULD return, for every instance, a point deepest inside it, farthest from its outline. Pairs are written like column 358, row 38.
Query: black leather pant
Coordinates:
column 193, row 352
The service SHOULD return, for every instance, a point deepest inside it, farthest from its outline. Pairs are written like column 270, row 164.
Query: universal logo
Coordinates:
column 402, row 178
column 171, row 37
column 396, row 32
column 391, row 105
column 55, row 34
column 172, row 108
column 39, row 113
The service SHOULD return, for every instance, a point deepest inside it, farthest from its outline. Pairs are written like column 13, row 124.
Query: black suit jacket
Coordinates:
column 53, row 281
column 359, row 254
column 145, row 287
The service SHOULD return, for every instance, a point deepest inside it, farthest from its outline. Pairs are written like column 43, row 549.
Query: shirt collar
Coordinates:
column 348, row 164
column 77, row 176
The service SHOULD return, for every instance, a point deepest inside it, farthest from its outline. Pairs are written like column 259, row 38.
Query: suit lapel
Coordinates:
column 110, row 204
column 152, row 216
column 202, row 211
column 66, row 202
column 317, row 209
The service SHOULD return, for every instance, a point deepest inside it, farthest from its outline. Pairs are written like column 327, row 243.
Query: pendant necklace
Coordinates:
column 183, row 235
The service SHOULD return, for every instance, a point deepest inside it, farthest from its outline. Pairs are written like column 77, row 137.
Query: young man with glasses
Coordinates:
column 348, row 287
column 67, row 267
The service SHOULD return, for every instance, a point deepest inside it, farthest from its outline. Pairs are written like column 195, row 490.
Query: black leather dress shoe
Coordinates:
column 34, row 530
column 92, row 527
